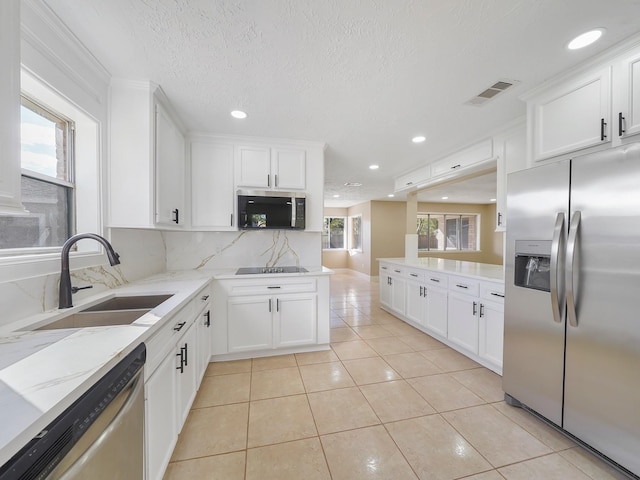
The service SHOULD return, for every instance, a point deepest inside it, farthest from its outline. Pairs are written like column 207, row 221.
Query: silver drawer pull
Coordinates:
column 398, row 271
column 435, row 280
column 204, row 298
column 461, row 286
column 413, row 274
column 272, row 286
column 501, row 295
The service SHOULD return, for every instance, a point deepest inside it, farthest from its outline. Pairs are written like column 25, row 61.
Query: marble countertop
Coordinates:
column 482, row 271
column 44, row 372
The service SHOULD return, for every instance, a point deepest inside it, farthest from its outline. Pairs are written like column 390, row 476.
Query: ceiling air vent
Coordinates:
column 491, row 92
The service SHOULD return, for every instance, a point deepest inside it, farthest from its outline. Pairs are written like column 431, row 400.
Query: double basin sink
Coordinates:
column 114, row 311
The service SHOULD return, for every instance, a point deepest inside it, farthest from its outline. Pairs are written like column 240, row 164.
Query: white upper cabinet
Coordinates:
column 169, row 170
column 626, row 98
column 10, row 113
column 572, row 115
column 511, row 149
column 147, row 158
column 212, row 196
column 288, row 168
column 413, row 179
column 476, row 154
column 271, row 168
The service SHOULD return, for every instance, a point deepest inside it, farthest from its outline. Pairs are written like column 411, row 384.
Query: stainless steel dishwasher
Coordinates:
column 100, row 436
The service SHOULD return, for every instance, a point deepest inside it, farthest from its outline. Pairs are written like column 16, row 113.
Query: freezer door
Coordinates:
column 602, row 380
column 537, row 205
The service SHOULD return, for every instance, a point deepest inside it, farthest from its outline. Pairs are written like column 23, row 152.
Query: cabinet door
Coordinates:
column 398, row 286
column 385, row 286
column 512, row 155
column 253, row 167
column 295, row 319
column 10, row 112
column 169, row 170
column 160, row 418
column 570, row 117
column 436, row 311
column 288, row 168
column 250, row 325
column 626, row 98
column 491, row 332
column 463, row 321
column 416, row 304
column 186, row 366
column 204, row 330
column 468, row 157
column 212, row 196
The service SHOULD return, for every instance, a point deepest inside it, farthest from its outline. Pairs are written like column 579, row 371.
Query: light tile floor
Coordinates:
column 386, row 402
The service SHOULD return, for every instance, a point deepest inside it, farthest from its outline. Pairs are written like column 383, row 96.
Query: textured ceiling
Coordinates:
column 364, row 76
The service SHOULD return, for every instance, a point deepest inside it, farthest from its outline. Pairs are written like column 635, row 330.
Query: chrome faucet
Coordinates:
column 65, row 279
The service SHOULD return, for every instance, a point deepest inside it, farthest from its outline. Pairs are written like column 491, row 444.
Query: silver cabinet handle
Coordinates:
column 569, row 270
column 557, row 251
column 497, row 294
column 269, row 305
column 421, row 290
column 461, row 286
column 398, row 271
column 481, row 310
column 435, row 280
column 413, row 274
column 475, row 307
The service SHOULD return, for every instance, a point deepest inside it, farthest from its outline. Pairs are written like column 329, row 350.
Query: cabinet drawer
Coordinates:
column 415, row 274
column 163, row 342
column 492, row 291
column 269, row 286
column 464, row 285
column 436, row 279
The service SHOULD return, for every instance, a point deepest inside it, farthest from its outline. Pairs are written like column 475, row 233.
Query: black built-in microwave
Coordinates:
column 271, row 209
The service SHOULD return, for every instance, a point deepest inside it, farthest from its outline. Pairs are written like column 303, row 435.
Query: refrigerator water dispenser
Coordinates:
column 532, row 264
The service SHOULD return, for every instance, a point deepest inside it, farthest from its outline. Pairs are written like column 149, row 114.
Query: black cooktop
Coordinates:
column 257, row 270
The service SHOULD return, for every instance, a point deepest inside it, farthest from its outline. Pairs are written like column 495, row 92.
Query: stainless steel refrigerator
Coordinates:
column 572, row 303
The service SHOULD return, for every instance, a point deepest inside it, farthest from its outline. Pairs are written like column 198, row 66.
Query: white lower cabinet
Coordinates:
column 463, row 312
column 264, row 322
column 185, row 371
column 437, row 310
column 250, row 326
column 175, row 361
column 463, row 321
column 160, row 425
column 261, row 315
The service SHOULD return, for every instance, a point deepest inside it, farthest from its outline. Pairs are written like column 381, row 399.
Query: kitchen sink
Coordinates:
column 96, row 319
column 114, row 311
column 133, row 302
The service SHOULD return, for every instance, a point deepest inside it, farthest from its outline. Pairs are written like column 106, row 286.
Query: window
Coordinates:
column 448, row 232
column 333, row 233
column 47, row 187
column 355, row 233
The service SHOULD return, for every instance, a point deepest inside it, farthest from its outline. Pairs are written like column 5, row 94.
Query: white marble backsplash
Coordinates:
column 247, row 248
column 142, row 253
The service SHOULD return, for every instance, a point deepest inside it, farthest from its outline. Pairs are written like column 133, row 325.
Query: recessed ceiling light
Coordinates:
column 353, row 184
column 391, row 195
column 336, row 196
column 238, row 114
column 585, row 39
column 374, row 167
column 492, row 199
column 445, row 198
column 418, row 139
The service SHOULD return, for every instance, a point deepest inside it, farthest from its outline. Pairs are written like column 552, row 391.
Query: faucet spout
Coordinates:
column 64, row 298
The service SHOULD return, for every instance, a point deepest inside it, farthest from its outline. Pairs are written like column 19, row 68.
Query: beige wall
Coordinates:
column 388, row 228
column 490, row 242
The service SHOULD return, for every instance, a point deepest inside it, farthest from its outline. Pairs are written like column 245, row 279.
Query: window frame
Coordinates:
column 450, row 216
column 352, row 219
column 88, row 205
column 344, row 233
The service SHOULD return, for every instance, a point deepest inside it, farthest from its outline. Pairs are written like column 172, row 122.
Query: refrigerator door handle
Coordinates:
column 557, row 287
column 569, row 270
